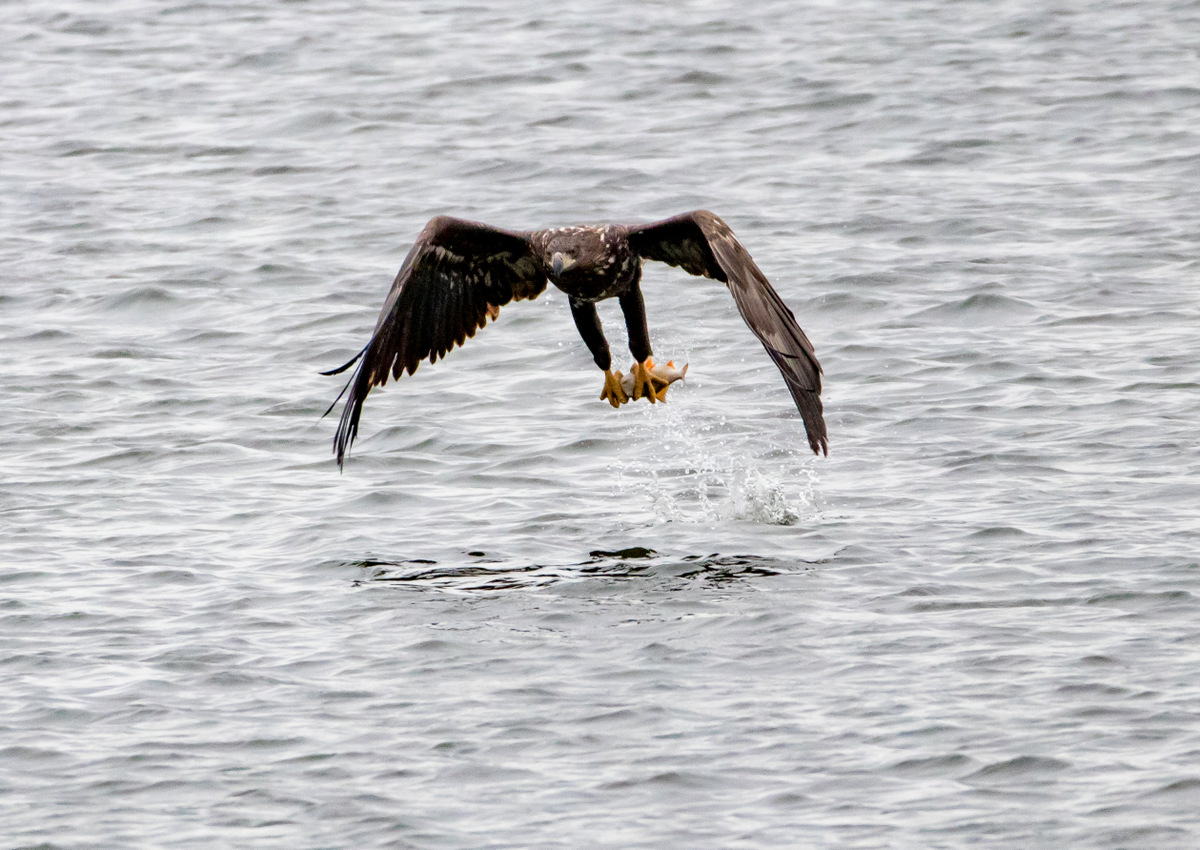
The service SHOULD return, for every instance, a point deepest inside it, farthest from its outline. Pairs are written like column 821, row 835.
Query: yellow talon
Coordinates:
column 643, row 382
column 648, row 379
column 613, row 392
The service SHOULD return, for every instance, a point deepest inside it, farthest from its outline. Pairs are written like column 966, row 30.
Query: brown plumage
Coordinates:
column 459, row 274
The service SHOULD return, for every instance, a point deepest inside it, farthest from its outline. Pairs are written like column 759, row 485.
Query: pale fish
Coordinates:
column 662, row 375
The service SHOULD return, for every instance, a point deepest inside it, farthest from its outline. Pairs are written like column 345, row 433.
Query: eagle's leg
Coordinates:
column 587, row 321
column 634, row 309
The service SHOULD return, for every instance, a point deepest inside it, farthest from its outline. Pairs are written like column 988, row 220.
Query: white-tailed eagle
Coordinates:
column 460, row 273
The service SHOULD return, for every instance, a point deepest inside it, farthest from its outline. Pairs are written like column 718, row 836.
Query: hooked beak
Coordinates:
column 560, row 263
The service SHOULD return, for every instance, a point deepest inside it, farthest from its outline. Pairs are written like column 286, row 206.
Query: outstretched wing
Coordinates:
column 702, row 244
column 457, row 276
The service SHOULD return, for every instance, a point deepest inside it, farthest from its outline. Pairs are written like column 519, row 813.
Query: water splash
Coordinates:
column 709, row 474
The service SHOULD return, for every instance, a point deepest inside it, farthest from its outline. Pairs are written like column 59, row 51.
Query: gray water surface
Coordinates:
column 521, row 619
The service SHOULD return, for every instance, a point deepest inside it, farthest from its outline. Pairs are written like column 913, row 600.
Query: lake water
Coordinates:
column 519, row 618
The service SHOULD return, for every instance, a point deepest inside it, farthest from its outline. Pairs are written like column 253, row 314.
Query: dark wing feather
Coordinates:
column 702, row 244
column 457, row 276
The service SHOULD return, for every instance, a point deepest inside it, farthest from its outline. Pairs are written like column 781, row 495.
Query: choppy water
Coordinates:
column 521, row 619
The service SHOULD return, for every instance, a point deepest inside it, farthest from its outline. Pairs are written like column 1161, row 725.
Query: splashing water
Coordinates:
column 716, row 475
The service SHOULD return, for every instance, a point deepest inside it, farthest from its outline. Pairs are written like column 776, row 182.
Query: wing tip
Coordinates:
column 356, row 390
column 340, row 369
column 814, row 424
column 347, row 430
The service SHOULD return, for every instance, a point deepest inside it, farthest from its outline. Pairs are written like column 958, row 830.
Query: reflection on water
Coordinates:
column 635, row 562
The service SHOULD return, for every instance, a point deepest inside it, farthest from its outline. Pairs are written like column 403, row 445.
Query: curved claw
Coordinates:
column 613, row 392
column 643, row 381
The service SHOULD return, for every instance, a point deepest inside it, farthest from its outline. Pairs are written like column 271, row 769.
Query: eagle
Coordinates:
column 459, row 274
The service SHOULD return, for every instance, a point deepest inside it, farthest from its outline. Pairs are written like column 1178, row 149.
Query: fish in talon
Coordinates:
column 643, row 382
column 668, row 371
column 661, row 376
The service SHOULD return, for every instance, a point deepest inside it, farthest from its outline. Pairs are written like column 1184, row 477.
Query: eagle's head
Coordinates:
column 579, row 248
